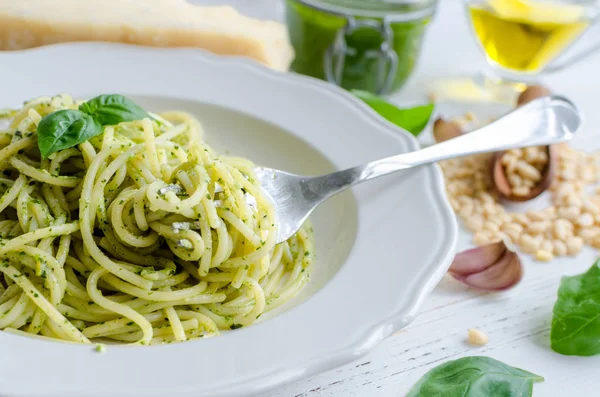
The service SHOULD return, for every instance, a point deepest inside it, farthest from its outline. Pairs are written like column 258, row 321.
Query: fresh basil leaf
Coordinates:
column 64, row 129
column 414, row 120
column 475, row 376
column 576, row 315
column 113, row 109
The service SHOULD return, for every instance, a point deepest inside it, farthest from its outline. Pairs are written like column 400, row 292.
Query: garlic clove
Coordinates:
column 493, row 267
column 476, row 259
column 502, row 186
column 444, row 130
column 531, row 93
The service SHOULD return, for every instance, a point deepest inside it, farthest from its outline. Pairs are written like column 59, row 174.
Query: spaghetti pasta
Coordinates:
column 142, row 234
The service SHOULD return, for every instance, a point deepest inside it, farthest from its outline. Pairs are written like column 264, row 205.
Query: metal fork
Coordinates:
column 544, row 121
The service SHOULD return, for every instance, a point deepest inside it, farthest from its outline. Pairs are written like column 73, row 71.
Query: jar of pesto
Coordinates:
column 369, row 45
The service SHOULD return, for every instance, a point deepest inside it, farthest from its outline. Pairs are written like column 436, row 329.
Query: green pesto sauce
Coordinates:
column 313, row 31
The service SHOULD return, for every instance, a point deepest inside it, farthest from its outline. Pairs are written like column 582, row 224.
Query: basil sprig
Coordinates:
column 475, row 376
column 576, row 315
column 66, row 128
column 414, row 119
column 113, row 109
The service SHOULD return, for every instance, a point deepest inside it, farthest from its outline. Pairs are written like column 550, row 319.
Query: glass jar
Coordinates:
column 369, row 45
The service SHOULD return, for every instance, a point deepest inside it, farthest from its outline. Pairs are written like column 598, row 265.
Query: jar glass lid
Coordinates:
column 396, row 9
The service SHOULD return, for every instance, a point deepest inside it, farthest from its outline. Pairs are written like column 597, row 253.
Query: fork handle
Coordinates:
column 544, row 121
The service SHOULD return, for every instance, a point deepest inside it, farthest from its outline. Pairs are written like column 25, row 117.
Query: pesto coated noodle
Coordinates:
column 142, row 234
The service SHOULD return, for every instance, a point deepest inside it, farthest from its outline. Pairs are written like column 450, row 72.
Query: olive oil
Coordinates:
column 522, row 38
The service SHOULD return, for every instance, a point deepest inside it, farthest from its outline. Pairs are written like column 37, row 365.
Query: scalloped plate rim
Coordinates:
column 378, row 331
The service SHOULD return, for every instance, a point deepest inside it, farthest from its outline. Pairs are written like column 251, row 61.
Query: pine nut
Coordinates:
column 564, row 189
column 550, row 212
column 479, row 186
column 573, row 200
column 455, row 205
column 546, row 246
column 487, row 198
column 453, row 188
column 481, row 238
column 587, row 234
column 567, row 175
column 529, row 244
column 521, row 218
column 511, row 168
column 518, row 153
column 521, row 191
column 497, row 237
column 466, row 211
column 579, row 186
column 588, row 175
column 539, row 239
column 513, row 227
column 475, row 223
column 491, row 226
column 477, row 338
column 462, row 172
column 562, row 229
column 542, row 157
column 478, row 209
column 589, row 206
column 574, row 245
column 465, row 200
column 508, row 158
column 544, row 256
column 559, row 248
column 513, row 236
column 489, row 209
column 504, row 219
column 538, row 227
column 570, row 213
column 537, row 216
column 515, row 180
column 528, row 171
column 531, row 154
column 470, row 162
column 585, row 220
column 479, row 175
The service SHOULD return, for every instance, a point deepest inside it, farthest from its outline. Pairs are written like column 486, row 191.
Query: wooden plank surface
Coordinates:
column 517, row 321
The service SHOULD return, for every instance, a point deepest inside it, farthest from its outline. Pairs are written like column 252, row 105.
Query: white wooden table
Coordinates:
column 517, row 321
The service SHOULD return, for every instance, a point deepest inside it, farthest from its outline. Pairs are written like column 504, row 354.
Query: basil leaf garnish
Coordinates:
column 475, row 376
column 414, row 120
column 576, row 315
column 113, row 109
column 64, row 129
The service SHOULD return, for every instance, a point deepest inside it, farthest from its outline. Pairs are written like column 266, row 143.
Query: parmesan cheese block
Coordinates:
column 160, row 23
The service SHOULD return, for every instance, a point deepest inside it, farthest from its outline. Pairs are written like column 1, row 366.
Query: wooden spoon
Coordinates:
column 503, row 187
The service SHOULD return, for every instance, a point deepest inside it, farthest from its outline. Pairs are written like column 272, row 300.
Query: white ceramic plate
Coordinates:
column 381, row 248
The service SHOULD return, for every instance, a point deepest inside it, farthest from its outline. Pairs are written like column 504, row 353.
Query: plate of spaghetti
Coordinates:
column 135, row 239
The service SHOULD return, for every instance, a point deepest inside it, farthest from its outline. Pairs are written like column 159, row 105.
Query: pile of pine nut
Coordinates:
column 523, row 168
column 561, row 229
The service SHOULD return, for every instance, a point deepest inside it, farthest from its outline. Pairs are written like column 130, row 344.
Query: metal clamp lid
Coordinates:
column 335, row 56
column 396, row 10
